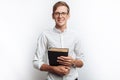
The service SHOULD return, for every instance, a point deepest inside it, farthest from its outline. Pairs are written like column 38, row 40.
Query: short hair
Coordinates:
column 60, row 3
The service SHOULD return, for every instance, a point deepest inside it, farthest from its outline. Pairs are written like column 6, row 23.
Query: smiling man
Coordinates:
column 59, row 37
column 60, row 15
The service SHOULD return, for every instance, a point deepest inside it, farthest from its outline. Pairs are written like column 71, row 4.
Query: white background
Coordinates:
column 98, row 24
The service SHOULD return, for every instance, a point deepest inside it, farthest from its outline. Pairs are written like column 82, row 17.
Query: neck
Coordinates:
column 61, row 28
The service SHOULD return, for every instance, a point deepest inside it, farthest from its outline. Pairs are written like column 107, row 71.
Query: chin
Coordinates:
column 60, row 24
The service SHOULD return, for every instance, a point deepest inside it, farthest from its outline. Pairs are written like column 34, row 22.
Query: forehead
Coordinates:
column 61, row 9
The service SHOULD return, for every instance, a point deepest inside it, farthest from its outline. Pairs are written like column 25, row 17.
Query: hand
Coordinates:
column 60, row 70
column 66, row 61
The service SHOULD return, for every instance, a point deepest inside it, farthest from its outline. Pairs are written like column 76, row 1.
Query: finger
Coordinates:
column 66, row 58
column 67, row 67
column 69, row 60
column 60, row 58
column 63, row 57
column 60, row 61
column 64, row 63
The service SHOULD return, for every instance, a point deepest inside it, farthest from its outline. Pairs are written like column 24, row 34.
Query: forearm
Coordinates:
column 46, row 67
column 59, row 70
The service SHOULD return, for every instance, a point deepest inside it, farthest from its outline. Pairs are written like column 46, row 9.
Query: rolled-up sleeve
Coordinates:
column 79, row 51
column 40, row 51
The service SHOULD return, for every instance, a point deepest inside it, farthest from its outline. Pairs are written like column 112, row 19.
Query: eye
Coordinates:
column 57, row 13
column 63, row 13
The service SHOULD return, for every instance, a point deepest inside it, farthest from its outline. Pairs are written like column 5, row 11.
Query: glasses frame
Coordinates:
column 62, row 13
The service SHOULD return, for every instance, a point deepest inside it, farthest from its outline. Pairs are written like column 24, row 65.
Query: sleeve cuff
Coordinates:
column 37, row 64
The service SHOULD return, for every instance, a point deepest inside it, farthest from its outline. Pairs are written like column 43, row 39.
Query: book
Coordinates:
column 53, row 53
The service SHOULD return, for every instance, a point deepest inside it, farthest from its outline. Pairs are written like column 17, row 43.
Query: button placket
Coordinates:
column 61, row 39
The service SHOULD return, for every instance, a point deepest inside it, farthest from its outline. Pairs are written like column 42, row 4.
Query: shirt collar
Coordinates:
column 59, row 31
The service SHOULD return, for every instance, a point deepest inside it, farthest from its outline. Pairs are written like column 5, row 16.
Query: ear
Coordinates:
column 53, row 15
column 68, row 16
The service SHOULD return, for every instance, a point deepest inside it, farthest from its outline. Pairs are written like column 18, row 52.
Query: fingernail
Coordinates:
column 58, row 57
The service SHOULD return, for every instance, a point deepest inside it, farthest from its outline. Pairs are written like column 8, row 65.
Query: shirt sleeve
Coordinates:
column 40, row 51
column 79, row 51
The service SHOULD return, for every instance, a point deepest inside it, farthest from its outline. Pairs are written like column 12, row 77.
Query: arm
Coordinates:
column 41, row 50
column 69, row 61
column 38, row 60
column 59, row 70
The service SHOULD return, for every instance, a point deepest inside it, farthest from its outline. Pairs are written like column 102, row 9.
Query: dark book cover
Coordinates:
column 53, row 53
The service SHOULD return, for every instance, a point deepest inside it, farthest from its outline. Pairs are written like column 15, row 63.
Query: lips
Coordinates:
column 60, row 21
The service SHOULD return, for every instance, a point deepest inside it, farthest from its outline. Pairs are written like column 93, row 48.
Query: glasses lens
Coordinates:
column 62, row 14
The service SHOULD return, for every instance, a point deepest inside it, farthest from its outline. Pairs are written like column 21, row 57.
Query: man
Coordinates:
column 59, row 37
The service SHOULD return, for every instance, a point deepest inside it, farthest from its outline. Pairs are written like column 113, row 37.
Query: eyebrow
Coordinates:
column 60, row 12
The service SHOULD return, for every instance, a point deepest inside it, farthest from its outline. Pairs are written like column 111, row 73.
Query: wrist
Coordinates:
column 50, row 68
column 73, row 64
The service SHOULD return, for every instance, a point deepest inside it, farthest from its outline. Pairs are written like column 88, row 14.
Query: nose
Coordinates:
column 60, row 15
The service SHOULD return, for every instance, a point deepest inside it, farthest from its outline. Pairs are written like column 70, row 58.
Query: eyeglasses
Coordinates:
column 62, row 13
